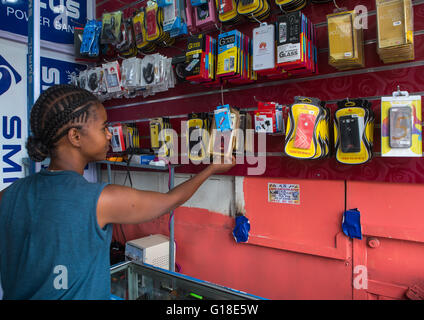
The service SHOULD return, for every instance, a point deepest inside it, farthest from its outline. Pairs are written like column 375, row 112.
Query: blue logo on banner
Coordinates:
column 58, row 18
column 6, row 73
column 57, row 72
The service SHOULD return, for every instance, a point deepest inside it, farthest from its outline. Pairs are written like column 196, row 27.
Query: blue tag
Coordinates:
column 351, row 224
column 241, row 230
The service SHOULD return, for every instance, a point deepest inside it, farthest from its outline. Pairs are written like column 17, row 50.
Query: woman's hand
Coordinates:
column 222, row 165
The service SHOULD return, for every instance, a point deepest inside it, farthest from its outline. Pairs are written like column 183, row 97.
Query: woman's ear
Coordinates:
column 74, row 137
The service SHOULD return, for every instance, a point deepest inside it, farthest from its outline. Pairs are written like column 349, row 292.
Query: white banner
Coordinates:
column 55, row 69
column 13, row 111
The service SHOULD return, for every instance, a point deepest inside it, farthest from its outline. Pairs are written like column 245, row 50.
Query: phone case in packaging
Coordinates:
column 304, row 131
column 400, row 127
column 350, row 133
column 354, row 131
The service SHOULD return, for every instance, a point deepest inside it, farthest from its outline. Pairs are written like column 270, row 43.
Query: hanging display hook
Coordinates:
column 218, row 28
column 335, row 4
column 256, row 19
column 400, row 93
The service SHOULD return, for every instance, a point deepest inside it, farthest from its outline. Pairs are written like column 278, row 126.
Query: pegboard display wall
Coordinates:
column 371, row 82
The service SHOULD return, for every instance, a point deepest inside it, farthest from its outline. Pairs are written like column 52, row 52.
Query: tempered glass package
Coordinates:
column 395, row 31
column 263, row 47
column 346, row 50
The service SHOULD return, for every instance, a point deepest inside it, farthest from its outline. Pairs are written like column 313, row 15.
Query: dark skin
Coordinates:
column 121, row 204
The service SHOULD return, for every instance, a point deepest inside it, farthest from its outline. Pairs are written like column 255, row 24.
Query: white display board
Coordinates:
column 13, row 111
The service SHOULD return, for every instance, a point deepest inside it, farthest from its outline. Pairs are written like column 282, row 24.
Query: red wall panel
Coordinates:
column 391, row 218
column 375, row 80
column 305, row 255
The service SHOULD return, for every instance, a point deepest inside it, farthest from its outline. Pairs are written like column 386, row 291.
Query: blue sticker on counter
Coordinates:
column 241, row 230
column 351, row 224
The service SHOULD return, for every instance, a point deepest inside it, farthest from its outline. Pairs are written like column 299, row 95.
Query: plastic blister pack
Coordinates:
column 90, row 39
column 307, row 131
column 111, row 28
column 131, row 73
column 113, row 76
column 354, row 131
column 401, row 129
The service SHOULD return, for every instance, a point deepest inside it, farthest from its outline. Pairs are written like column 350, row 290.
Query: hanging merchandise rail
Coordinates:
column 374, row 80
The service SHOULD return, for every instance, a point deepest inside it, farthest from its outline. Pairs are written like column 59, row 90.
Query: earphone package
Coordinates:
column 111, row 28
column 269, row 118
column 147, row 71
column 131, row 73
column 127, row 46
column 82, row 80
column 94, row 80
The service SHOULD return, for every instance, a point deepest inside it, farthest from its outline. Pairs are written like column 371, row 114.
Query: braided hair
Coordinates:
column 56, row 111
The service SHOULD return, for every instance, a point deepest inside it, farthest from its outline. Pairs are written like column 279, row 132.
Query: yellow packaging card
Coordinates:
column 301, row 130
column 414, row 102
column 391, row 24
column 341, row 36
column 356, row 157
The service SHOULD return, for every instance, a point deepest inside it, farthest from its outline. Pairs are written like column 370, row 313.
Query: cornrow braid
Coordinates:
column 58, row 109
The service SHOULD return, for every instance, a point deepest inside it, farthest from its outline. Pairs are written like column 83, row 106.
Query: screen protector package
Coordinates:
column 395, row 30
column 224, row 131
column 113, row 76
column 345, row 42
column 401, row 129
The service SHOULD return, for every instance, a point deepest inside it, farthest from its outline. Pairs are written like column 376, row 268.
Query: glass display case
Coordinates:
column 133, row 280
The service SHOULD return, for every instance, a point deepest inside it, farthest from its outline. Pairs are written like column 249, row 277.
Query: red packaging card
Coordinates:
column 305, row 131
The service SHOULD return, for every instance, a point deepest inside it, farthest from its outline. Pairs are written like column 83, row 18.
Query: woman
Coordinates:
column 55, row 227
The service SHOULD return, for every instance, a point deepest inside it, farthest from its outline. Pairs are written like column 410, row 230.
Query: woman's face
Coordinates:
column 95, row 138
